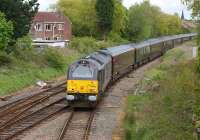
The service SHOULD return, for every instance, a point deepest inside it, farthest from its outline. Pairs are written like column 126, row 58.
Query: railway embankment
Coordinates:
column 165, row 103
column 22, row 69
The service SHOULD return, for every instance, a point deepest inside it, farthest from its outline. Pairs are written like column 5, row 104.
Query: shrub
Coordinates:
column 24, row 42
column 114, row 37
column 54, row 58
column 5, row 59
column 6, row 31
column 23, row 49
column 104, row 44
column 84, row 45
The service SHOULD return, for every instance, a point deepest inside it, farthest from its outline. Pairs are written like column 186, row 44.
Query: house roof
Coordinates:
column 49, row 17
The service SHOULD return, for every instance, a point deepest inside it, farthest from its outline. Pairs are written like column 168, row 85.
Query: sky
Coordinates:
column 168, row 6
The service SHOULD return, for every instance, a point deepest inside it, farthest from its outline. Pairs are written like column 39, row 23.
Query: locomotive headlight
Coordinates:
column 92, row 98
column 70, row 97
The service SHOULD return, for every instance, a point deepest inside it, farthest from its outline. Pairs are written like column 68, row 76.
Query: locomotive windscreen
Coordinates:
column 83, row 71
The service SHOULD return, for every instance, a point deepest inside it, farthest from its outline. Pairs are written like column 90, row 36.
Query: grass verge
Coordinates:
column 166, row 104
column 20, row 74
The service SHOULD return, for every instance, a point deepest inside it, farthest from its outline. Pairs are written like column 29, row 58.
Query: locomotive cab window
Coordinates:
column 83, row 71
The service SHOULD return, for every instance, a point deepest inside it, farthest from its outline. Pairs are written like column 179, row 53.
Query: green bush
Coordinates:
column 23, row 50
column 24, row 42
column 54, row 58
column 114, row 37
column 5, row 59
column 6, row 31
column 165, row 113
column 104, row 44
column 84, row 45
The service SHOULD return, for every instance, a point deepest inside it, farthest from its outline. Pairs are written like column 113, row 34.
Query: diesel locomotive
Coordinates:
column 89, row 77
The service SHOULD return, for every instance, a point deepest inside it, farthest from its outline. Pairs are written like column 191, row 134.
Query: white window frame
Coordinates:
column 38, row 27
column 60, row 27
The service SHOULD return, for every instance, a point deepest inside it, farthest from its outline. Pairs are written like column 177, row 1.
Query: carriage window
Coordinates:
column 82, row 72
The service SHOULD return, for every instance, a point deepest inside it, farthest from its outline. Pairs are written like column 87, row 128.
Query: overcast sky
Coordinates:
column 168, row 6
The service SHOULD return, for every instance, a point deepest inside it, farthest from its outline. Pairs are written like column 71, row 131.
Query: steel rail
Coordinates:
column 22, row 124
column 22, row 100
column 69, row 121
column 66, row 126
column 21, row 113
column 89, row 124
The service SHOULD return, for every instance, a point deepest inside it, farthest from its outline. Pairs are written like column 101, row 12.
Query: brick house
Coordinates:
column 51, row 26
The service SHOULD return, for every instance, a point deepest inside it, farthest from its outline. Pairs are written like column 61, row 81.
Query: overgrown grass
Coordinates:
column 31, row 66
column 25, row 66
column 167, row 102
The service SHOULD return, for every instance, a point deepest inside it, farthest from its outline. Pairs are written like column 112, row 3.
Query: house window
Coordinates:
column 48, row 27
column 38, row 27
column 60, row 26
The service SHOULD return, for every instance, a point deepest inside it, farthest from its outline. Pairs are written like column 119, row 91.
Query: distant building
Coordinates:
column 182, row 16
column 49, row 27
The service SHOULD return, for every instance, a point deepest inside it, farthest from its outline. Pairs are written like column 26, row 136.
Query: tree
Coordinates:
column 147, row 21
column 105, row 12
column 139, row 22
column 20, row 12
column 119, row 18
column 82, row 14
column 194, row 5
column 6, row 31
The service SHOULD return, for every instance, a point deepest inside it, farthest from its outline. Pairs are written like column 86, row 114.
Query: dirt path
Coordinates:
column 107, row 122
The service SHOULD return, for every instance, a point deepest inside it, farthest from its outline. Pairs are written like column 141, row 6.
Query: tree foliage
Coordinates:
column 194, row 5
column 20, row 12
column 146, row 21
column 105, row 13
column 119, row 17
column 6, row 31
column 110, row 19
column 82, row 14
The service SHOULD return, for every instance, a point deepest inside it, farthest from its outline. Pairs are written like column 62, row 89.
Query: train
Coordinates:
column 89, row 77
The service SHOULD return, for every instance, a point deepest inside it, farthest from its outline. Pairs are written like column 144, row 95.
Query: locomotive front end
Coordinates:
column 82, row 82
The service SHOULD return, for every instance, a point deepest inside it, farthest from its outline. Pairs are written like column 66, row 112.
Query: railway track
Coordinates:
column 12, row 110
column 23, row 114
column 33, row 98
column 77, row 126
column 16, row 127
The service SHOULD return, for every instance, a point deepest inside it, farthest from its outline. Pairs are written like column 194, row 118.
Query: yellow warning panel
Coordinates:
column 82, row 86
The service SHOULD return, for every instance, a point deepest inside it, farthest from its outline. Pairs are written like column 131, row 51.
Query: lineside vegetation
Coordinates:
column 166, row 104
column 22, row 65
column 26, row 65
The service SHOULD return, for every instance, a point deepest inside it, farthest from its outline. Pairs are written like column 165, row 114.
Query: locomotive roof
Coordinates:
column 118, row 49
column 147, row 43
column 96, row 64
column 124, row 48
column 100, row 58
